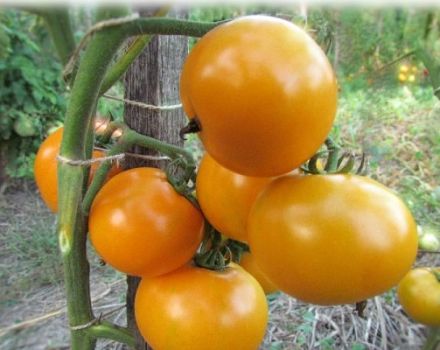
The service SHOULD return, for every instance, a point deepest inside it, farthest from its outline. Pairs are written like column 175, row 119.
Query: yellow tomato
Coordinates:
column 226, row 197
column 250, row 265
column 419, row 295
column 264, row 94
column 195, row 308
column 331, row 239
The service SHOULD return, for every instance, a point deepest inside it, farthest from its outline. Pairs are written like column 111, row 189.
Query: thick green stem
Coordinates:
column 119, row 68
column 128, row 139
column 110, row 331
column 100, row 176
column 333, row 150
column 171, row 151
column 433, row 340
column 59, row 26
column 72, row 225
column 137, row 46
column 166, row 26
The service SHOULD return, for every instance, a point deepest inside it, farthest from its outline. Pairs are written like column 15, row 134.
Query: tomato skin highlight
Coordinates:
column 141, row 226
column 46, row 164
column 331, row 239
column 419, row 295
column 226, row 197
column 198, row 309
column 248, row 263
column 264, row 93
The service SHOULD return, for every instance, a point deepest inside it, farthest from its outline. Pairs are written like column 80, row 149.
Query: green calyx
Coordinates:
column 331, row 161
column 213, row 254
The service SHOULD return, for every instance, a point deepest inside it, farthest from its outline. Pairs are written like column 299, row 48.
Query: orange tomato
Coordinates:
column 419, row 295
column 45, row 168
column 250, row 265
column 226, row 197
column 331, row 239
column 198, row 309
column 141, row 226
column 263, row 92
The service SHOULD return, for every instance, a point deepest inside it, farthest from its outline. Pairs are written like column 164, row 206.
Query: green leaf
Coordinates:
column 38, row 95
column 19, row 92
column 4, row 42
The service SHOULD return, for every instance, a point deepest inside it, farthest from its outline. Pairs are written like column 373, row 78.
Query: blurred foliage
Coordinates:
column 398, row 129
column 360, row 42
column 32, row 92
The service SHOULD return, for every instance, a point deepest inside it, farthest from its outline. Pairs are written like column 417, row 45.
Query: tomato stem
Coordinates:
column 117, row 70
column 333, row 154
column 131, row 138
column 335, row 164
column 192, row 127
column 108, row 330
column 360, row 308
column 237, row 249
column 213, row 254
column 100, row 177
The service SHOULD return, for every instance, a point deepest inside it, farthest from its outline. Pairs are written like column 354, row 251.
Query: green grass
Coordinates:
column 398, row 129
column 29, row 247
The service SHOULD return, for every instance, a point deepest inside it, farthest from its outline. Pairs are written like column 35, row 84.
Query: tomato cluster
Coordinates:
column 264, row 96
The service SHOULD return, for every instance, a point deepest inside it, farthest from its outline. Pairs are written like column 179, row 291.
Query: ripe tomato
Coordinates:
column 226, row 197
column 198, row 309
column 45, row 168
column 141, row 226
column 419, row 295
column 331, row 239
column 263, row 92
column 250, row 265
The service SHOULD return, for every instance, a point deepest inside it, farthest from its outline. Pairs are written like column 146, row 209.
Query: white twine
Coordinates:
column 86, row 325
column 86, row 162
column 144, row 105
column 116, row 157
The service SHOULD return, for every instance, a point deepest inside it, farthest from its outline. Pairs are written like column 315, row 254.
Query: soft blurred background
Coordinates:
column 386, row 109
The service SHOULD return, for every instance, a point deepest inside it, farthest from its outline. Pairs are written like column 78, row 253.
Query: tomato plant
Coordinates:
column 45, row 168
column 226, row 197
column 250, row 265
column 263, row 93
column 331, row 239
column 419, row 295
column 141, row 226
column 196, row 308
